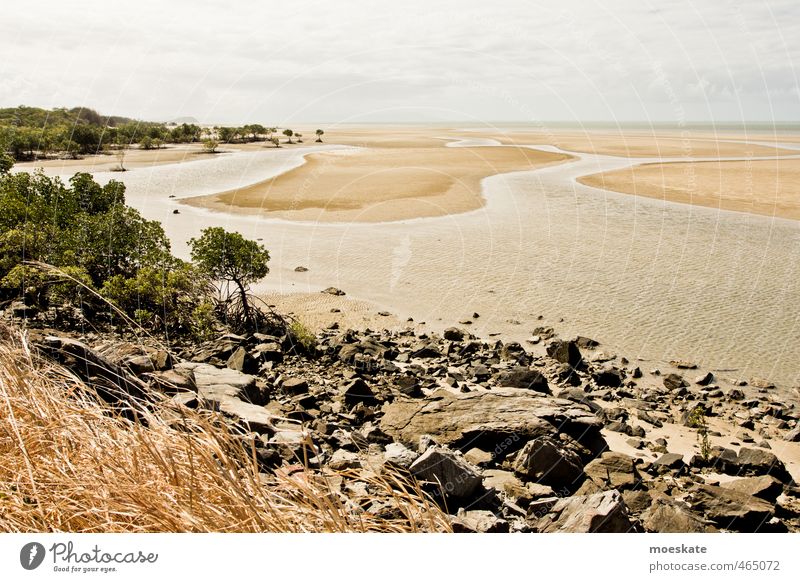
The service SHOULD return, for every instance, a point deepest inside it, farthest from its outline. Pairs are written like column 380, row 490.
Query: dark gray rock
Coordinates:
column 674, row 382
column 448, row 470
column 500, row 421
column 730, row 509
column 545, row 460
column 599, row 513
column 566, row 352
column 523, row 377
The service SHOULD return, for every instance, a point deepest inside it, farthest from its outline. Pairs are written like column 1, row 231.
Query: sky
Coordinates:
column 355, row 61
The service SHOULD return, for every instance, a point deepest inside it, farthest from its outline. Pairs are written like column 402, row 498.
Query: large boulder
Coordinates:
column 500, row 421
column 671, row 516
column 761, row 462
column 545, row 460
column 599, row 513
column 523, row 377
column 730, row 509
column 447, row 469
column 766, row 486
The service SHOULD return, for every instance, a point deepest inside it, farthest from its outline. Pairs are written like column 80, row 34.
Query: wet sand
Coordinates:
column 768, row 187
column 633, row 144
column 380, row 184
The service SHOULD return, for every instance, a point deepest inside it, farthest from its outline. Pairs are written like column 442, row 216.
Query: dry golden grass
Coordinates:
column 67, row 463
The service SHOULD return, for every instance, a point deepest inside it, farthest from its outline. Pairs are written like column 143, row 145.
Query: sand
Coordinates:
column 404, row 172
column 664, row 144
column 380, row 183
column 768, row 187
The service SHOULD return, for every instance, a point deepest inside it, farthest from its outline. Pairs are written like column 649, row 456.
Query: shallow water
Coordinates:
column 647, row 278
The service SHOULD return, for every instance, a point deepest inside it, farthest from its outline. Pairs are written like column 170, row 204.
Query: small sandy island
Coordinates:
column 380, row 183
column 768, row 187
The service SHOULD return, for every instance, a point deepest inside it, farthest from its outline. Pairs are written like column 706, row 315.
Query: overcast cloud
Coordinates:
column 279, row 61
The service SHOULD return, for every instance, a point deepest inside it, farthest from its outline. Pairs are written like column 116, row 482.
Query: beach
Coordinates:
column 652, row 278
column 768, row 187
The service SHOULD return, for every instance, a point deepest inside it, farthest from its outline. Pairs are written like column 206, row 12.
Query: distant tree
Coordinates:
column 230, row 258
column 299, row 137
column 146, row 143
column 6, row 163
column 276, row 142
column 158, row 143
column 226, row 134
column 255, row 130
column 210, row 146
column 319, row 133
column 288, row 133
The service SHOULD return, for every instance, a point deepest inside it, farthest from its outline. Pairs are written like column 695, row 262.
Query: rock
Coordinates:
column 674, row 382
column 637, row 500
column 220, row 348
column 399, row 455
column 586, row 343
column 19, row 310
column 793, row 436
column 426, row 350
column 510, row 486
column 454, row 334
column 609, row 376
column 342, row 460
column 599, row 513
column 478, row 457
column 515, row 352
column 113, row 382
column 545, row 461
column 295, row 386
column 613, row 471
column 683, row 364
column 357, row 391
column 300, row 269
column 333, row 291
column 214, row 383
column 269, row 351
column 566, row 352
column 730, row 509
column 174, row 381
column 499, row 421
column 735, row 394
column 241, row 361
column 761, row 462
column 250, row 416
column 766, row 487
column 522, row 377
column 447, row 469
column 761, row 383
column 672, row 461
column 704, row 379
column 672, row 516
column 140, row 365
column 478, row 521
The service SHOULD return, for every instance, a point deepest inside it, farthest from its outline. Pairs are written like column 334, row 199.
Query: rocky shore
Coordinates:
column 502, row 438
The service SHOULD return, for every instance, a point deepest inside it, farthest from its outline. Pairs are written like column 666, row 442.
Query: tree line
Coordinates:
column 28, row 133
